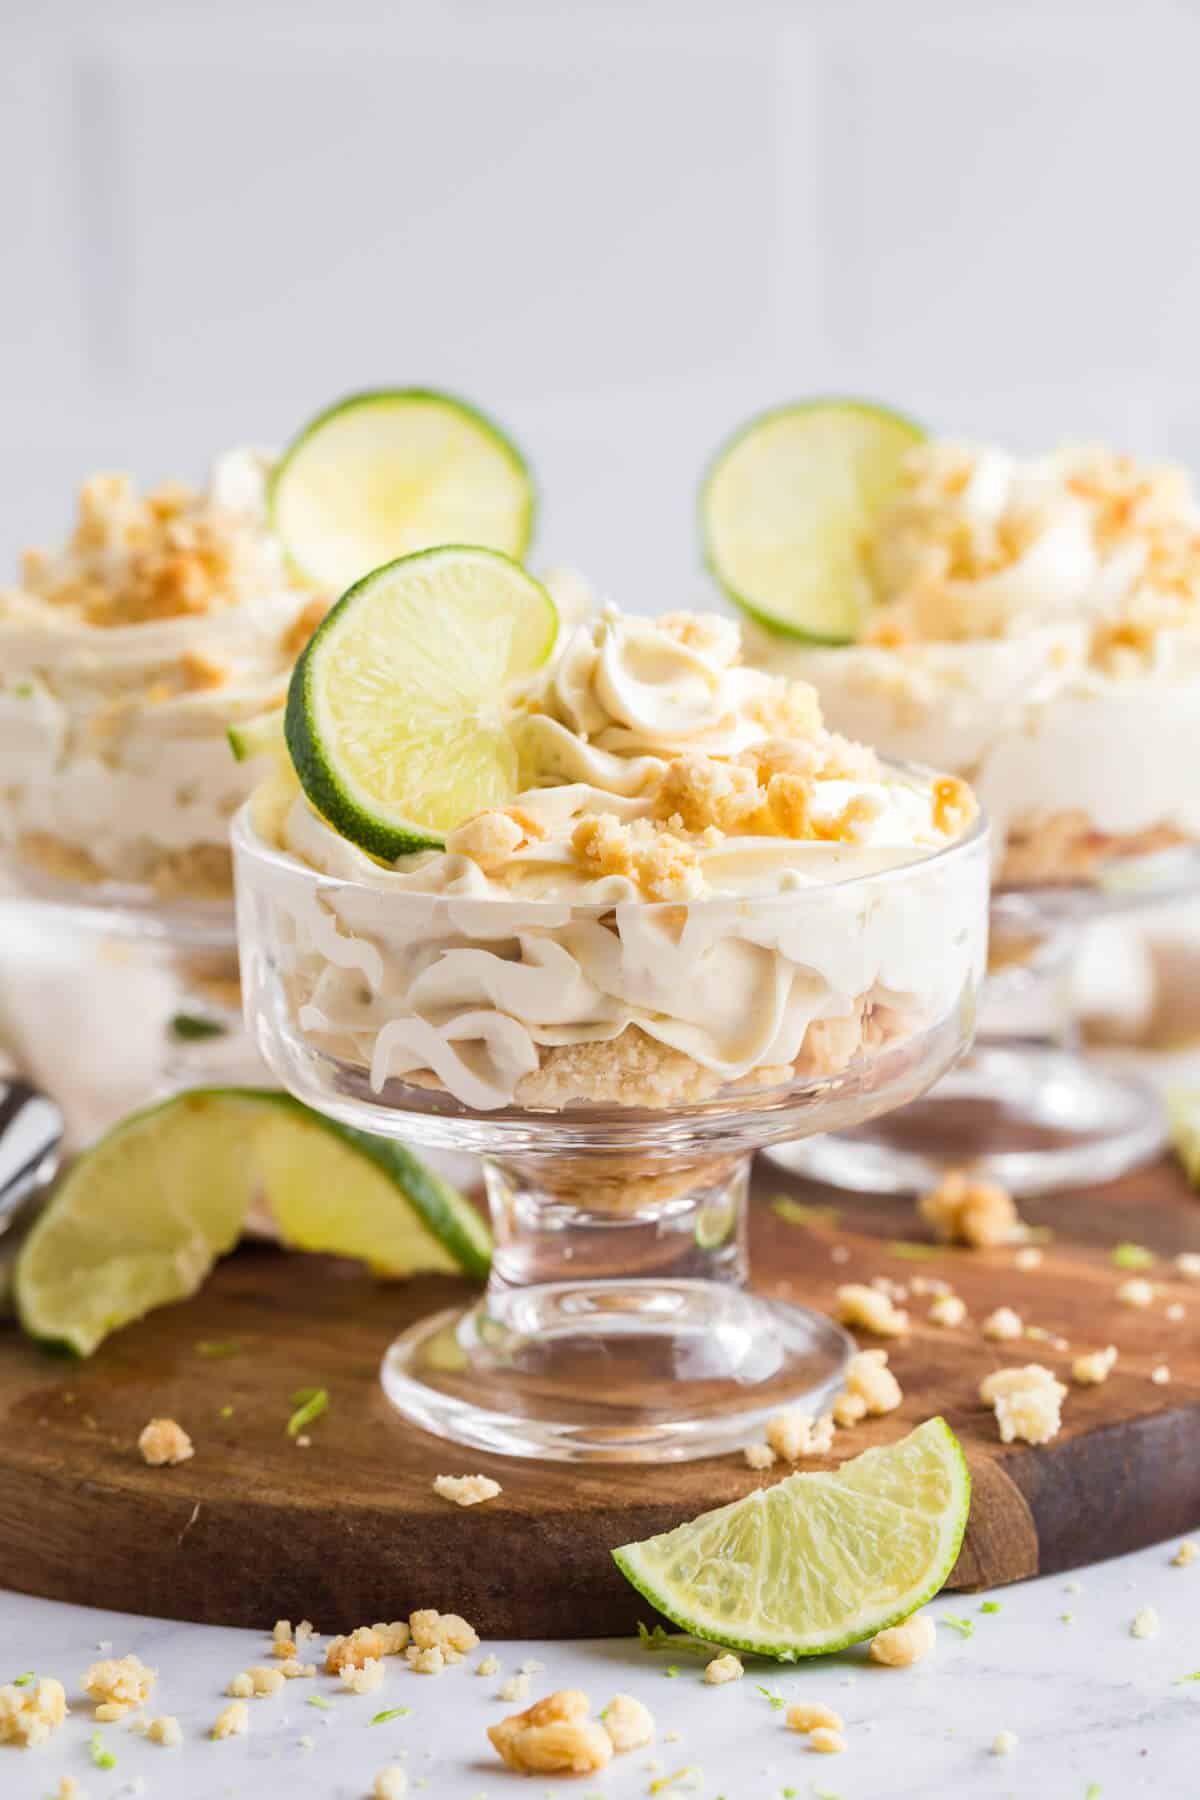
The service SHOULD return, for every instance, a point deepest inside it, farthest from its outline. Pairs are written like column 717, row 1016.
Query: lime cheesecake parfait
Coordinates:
column 601, row 904
column 1033, row 625
column 136, row 662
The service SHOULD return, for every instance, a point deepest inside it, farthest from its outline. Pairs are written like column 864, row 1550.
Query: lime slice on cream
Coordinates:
column 384, row 474
column 396, row 719
column 786, row 507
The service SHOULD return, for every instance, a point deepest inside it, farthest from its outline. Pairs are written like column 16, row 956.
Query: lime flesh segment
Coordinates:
column 140, row 1218
column 384, row 474
column 815, row 1562
column 396, row 720
column 786, row 508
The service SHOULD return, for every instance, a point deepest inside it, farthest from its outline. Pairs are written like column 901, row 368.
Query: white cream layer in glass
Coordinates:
column 123, row 660
column 1038, row 633
column 671, row 905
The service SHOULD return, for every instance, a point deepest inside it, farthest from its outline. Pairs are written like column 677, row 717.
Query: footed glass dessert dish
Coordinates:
column 615, row 1062
column 1026, row 1107
column 1033, row 626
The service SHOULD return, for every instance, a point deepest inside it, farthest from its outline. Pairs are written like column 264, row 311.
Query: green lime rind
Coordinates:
column 141, row 1217
column 322, row 538
column 261, row 735
column 756, row 1547
column 430, row 678
column 824, row 589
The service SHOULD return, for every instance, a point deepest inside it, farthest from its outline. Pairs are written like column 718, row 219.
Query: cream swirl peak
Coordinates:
column 980, row 544
column 655, row 766
column 1037, row 631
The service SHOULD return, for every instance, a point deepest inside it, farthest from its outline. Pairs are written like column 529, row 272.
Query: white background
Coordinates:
column 621, row 226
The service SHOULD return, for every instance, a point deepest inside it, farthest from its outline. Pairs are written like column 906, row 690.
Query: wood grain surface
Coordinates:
column 349, row 1530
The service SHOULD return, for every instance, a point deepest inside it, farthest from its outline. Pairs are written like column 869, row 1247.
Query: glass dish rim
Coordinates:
column 246, row 839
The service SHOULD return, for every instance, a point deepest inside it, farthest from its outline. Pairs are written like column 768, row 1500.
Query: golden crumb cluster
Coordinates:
column 170, row 553
column 29, row 1714
column 164, row 1441
column 935, row 548
column 964, row 1209
column 119, row 1686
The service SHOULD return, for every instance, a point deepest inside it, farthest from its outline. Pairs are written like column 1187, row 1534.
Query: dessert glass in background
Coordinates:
column 697, row 923
column 1034, row 626
column 167, row 620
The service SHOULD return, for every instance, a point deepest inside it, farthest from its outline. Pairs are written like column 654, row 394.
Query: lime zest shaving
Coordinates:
column 191, row 1028
column 321, row 1703
column 226, row 1412
column 1194, row 1676
column 672, row 1671
column 310, row 1403
column 1094, row 1791
column 776, row 1700
column 964, row 1627
column 218, row 1347
column 990, row 1606
column 797, row 1212
column 393, row 1712
column 911, row 1251
column 661, row 1639
column 23, row 1680
column 665, row 1781
column 103, row 1759
column 1133, row 1256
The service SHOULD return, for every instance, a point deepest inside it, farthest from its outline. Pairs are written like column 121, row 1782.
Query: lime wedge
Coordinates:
column 141, row 1217
column 396, row 719
column 786, row 506
column 384, row 474
column 815, row 1562
column 1183, row 1125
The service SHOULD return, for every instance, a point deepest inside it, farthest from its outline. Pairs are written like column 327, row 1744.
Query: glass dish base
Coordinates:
column 1029, row 1116
column 615, row 1371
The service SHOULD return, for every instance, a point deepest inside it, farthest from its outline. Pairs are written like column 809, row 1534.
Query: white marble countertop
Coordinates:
column 1099, row 1714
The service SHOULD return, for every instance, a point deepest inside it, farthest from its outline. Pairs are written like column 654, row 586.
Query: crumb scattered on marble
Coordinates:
column 628, row 1722
column 724, row 1668
column 119, row 1686
column 826, row 1742
column 1145, row 1623
column 812, row 1715
column 554, row 1736
column 1004, row 1743
column 232, row 1721
column 902, row 1645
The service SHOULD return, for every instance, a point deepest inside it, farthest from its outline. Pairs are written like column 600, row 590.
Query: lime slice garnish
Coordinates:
column 141, row 1217
column 786, row 508
column 385, row 474
column 395, row 716
column 815, row 1562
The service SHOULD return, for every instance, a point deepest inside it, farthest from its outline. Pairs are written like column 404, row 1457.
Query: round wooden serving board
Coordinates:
column 349, row 1530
